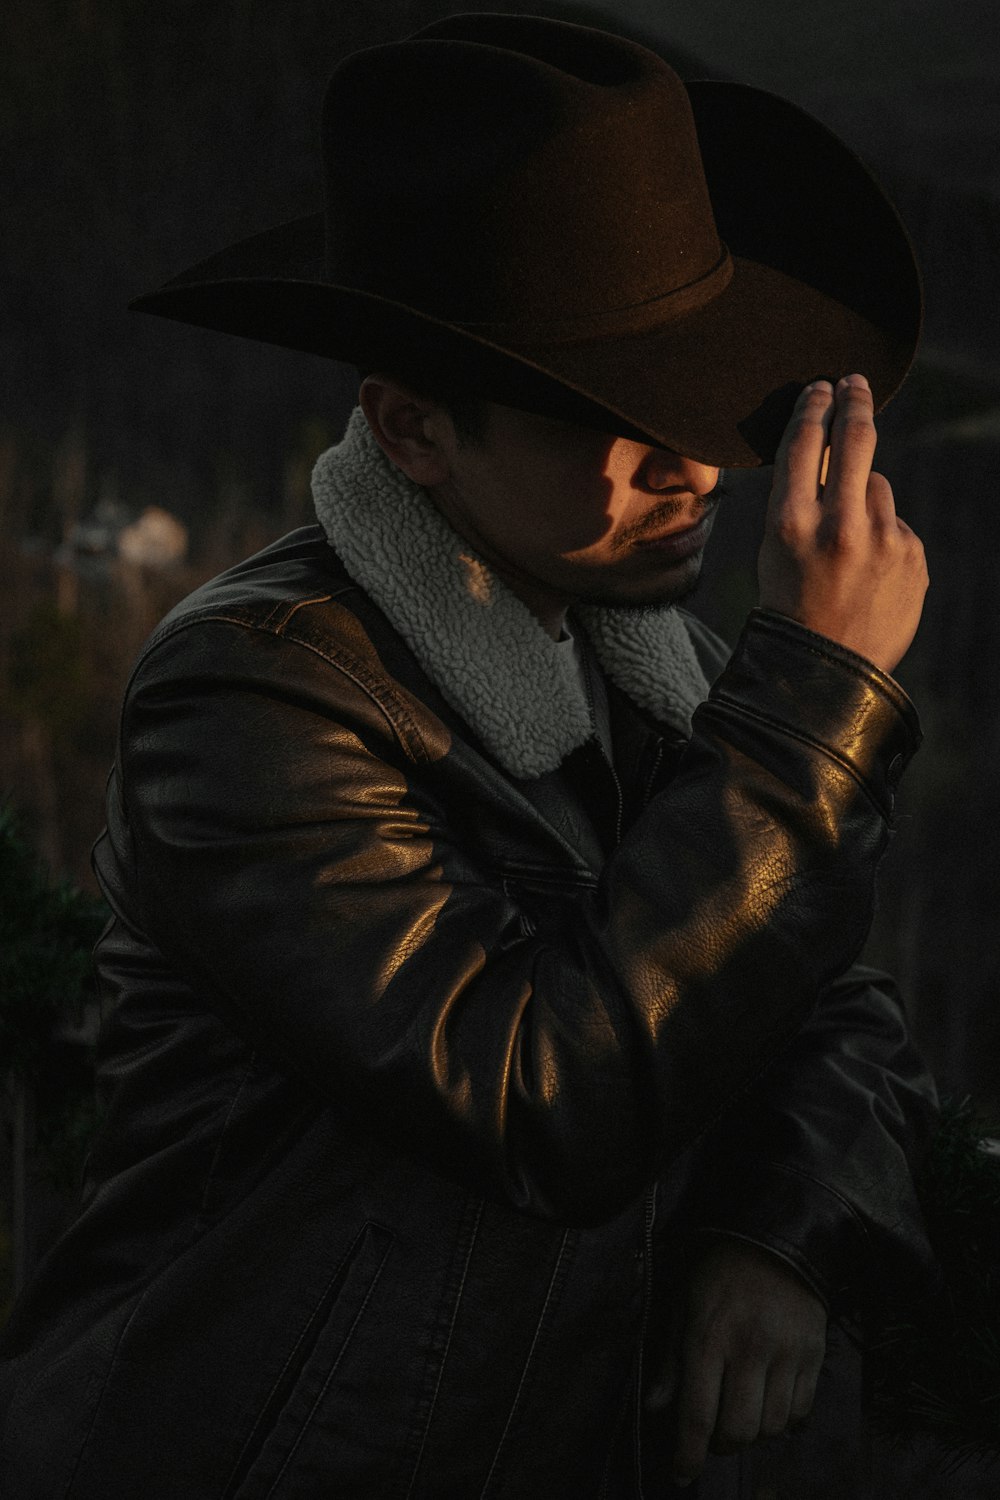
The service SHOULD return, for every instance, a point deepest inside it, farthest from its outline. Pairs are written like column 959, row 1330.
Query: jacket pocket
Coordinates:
column 540, row 902
column 269, row 1452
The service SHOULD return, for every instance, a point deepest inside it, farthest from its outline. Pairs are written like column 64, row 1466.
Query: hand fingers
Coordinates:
column 803, row 1394
column 881, row 504
column 752, row 1347
column 697, row 1409
column 749, row 1402
column 852, row 445
column 799, row 461
column 779, row 1394
column 741, row 1405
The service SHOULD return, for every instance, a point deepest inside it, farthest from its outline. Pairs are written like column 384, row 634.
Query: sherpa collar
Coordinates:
column 479, row 643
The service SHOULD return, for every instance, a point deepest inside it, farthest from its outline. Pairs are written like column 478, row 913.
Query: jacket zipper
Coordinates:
column 650, row 1219
column 621, row 800
column 647, row 1298
column 649, row 1216
column 595, row 736
column 648, row 789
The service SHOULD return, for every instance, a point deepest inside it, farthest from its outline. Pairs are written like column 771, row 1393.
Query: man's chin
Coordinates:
column 674, row 592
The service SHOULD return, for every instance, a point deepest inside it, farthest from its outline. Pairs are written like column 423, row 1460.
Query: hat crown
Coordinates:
column 510, row 170
column 518, row 207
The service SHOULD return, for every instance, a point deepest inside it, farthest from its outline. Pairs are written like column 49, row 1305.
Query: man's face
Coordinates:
column 564, row 514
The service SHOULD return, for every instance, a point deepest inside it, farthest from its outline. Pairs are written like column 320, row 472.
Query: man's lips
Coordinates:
column 680, row 541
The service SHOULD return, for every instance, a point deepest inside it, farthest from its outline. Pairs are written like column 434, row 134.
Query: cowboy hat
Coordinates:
column 546, row 215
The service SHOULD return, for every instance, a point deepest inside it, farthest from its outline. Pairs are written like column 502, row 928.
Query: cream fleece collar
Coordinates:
column 482, row 647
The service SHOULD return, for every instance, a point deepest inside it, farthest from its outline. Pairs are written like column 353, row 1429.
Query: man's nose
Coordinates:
column 666, row 470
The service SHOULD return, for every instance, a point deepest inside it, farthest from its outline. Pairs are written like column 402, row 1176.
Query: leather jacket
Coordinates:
column 420, row 1075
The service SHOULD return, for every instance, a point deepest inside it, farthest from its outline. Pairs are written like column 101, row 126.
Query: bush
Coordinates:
column 47, row 932
column 934, row 1366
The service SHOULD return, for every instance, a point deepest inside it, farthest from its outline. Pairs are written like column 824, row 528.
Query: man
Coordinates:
column 493, row 1109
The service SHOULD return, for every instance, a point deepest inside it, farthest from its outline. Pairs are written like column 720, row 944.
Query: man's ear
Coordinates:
column 411, row 430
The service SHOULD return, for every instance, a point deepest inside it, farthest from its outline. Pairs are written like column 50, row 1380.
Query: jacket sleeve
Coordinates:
column 817, row 1160
column 293, row 854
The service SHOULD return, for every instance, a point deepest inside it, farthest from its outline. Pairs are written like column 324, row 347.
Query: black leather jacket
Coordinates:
column 420, row 1076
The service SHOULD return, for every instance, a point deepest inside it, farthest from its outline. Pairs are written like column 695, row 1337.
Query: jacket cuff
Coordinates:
column 820, row 1236
column 810, row 687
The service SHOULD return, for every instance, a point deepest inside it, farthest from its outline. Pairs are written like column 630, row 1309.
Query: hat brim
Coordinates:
column 824, row 283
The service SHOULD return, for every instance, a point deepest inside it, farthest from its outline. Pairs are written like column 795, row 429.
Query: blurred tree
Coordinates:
column 47, row 680
column 47, row 932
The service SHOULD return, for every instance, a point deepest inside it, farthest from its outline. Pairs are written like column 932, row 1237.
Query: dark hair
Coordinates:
column 469, row 412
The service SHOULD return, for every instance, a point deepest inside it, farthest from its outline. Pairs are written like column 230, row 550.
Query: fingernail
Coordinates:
column 858, row 380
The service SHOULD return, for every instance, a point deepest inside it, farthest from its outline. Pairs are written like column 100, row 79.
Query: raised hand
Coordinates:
column 835, row 555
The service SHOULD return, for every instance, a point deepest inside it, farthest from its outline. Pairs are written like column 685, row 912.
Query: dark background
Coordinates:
column 136, row 139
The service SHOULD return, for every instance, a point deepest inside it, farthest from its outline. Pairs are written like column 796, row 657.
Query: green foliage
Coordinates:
column 936, row 1366
column 47, row 931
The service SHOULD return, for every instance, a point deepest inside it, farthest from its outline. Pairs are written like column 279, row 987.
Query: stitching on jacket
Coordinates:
column 107, row 1380
column 447, row 1347
column 872, row 676
column 334, row 1367
column 384, row 699
column 793, row 1171
column 174, row 623
column 192, row 1238
column 345, row 1260
column 552, row 876
column 528, row 1363
column 736, row 706
column 792, row 1251
column 209, row 1176
column 393, row 708
column 169, row 627
column 649, row 1220
column 282, row 614
column 785, row 1250
column 616, row 1427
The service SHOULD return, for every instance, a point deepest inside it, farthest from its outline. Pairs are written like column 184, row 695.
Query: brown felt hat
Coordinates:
column 546, row 215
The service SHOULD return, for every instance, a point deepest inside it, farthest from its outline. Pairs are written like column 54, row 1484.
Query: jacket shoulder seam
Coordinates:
column 281, row 616
column 392, row 708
